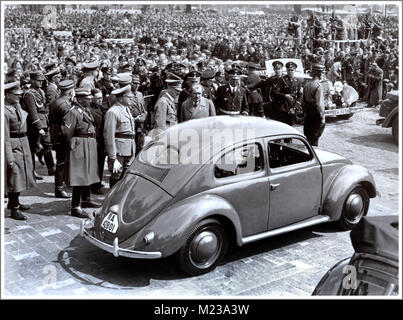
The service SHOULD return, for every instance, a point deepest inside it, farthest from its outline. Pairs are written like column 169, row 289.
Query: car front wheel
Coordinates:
column 355, row 207
column 204, row 249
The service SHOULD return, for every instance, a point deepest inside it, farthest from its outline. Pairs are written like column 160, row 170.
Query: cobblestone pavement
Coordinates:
column 45, row 257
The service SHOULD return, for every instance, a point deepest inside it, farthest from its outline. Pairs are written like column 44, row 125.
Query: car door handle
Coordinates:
column 274, row 186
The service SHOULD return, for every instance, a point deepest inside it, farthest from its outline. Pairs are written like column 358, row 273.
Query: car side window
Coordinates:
column 288, row 151
column 240, row 160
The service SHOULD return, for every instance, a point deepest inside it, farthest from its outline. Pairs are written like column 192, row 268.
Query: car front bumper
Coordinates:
column 114, row 249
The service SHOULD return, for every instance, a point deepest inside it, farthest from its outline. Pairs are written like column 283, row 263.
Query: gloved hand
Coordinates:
column 117, row 167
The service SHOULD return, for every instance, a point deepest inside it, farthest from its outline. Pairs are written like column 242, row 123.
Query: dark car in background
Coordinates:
column 389, row 113
column 373, row 270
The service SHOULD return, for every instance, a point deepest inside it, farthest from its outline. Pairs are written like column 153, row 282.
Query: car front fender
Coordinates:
column 347, row 179
column 331, row 282
column 389, row 119
column 172, row 227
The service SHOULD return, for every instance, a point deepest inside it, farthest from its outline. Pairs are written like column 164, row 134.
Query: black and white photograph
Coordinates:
column 194, row 150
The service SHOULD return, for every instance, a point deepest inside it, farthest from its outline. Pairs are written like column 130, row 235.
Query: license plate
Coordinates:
column 342, row 111
column 110, row 222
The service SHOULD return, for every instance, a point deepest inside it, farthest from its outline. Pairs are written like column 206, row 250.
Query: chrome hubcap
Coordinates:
column 205, row 248
column 354, row 208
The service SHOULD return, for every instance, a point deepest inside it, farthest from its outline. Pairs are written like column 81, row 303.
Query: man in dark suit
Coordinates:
column 231, row 98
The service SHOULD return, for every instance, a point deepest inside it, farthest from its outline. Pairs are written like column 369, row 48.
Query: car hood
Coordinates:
column 136, row 200
column 326, row 157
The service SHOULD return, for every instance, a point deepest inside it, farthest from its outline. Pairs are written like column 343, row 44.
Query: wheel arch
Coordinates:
column 347, row 179
column 387, row 123
column 173, row 226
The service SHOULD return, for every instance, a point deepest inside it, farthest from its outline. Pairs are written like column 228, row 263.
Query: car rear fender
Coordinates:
column 173, row 226
column 389, row 119
column 346, row 180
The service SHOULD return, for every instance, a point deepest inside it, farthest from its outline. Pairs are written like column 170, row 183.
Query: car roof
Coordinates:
column 235, row 129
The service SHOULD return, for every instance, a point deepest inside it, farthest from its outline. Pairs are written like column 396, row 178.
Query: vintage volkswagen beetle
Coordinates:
column 207, row 182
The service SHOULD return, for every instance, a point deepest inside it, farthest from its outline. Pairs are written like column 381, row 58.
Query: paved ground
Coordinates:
column 45, row 256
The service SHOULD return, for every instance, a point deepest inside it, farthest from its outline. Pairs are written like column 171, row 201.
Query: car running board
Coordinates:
column 295, row 226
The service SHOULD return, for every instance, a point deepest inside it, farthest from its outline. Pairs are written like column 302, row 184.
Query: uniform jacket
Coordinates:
column 165, row 112
column 35, row 105
column 229, row 101
column 81, row 161
column 17, row 151
column 313, row 100
column 205, row 108
column 375, row 80
column 118, row 119
column 286, row 85
column 139, row 110
column 98, row 115
column 57, row 110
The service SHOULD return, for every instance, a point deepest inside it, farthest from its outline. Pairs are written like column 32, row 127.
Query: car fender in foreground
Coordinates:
column 345, row 181
column 173, row 226
column 330, row 284
column 389, row 119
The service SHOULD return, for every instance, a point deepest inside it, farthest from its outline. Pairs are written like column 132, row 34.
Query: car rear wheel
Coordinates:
column 355, row 207
column 395, row 130
column 204, row 249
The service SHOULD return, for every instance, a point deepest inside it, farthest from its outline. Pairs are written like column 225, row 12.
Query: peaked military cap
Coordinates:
column 53, row 72
column 194, row 75
column 291, row 65
column 90, row 65
column 83, row 92
column 235, row 73
column 124, row 79
column 36, row 75
column 120, row 91
column 13, row 87
column 66, row 84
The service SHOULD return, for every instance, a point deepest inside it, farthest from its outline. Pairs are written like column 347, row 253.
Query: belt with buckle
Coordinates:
column 125, row 135
column 18, row 134
column 84, row 135
column 230, row 112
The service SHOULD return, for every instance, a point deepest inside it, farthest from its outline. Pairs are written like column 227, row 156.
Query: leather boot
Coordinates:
column 78, row 212
column 60, row 193
column 17, row 215
column 37, row 176
column 50, row 163
column 39, row 155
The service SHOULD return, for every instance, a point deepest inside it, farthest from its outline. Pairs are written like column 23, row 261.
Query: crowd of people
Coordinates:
column 97, row 83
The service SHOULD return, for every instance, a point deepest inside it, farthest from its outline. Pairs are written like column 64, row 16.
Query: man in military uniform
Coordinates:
column 18, row 160
column 139, row 113
column 268, row 85
column 287, row 96
column 57, row 110
column 90, row 74
column 52, row 91
column 231, row 98
column 98, row 113
column 314, row 106
column 119, row 135
column 81, row 161
column 197, row 106
column 166, row 106
column 207, row 84
column 34, row 102
column 348, row 70
column 106, row 86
